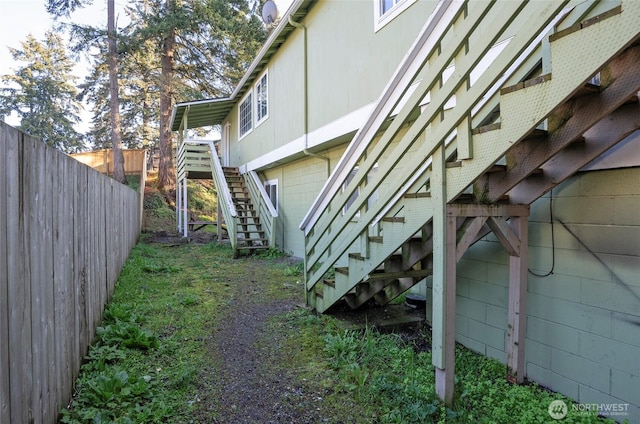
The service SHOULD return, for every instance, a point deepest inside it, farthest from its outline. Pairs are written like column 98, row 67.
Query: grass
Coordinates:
column 153, row 328
column 390, row 381
column 151, row 351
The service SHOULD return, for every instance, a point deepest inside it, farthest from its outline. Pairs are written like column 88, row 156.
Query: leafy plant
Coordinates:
column 271, row 253
column 126, row 335
column 294, row 270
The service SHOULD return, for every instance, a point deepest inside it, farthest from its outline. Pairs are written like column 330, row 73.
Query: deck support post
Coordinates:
column 185, row 214
column 448, row 247
column 444, row 282
column 178, row 205
column 517, row 314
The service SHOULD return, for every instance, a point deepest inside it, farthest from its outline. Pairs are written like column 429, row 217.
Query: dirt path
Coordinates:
column 251, row 384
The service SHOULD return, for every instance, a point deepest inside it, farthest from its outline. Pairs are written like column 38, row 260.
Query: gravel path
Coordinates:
column 252, row 385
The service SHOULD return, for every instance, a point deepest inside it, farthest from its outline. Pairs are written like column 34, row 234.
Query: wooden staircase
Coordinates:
column 237, row 205
column 250, row 234
column 531, row 135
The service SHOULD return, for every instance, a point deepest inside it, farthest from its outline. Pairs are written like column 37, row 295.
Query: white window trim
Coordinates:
column 273, row 183
column 259, row 80
column 240, row 135
column 380, row 19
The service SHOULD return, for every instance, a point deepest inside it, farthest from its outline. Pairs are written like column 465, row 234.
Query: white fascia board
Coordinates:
column 341, row 126
column 274, row 156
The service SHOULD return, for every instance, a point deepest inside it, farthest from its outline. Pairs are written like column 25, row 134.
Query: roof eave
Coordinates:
column 297, row 10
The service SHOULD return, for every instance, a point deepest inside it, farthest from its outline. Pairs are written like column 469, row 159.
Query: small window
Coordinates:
column 387, row 5
column 271, row 187
column 245, row 115
column 386, row 10
column 262, row 99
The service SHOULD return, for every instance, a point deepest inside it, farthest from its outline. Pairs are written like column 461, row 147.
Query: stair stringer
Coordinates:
column 491, row 146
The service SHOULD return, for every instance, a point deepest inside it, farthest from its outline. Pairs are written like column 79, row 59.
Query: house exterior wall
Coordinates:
column 583, row 320
column 298, row 183
column 348, row 66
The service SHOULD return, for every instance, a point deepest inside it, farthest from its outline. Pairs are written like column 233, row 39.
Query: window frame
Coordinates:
column 382, row 18
column 257, row 89
column 272, row 183
column 248, row 97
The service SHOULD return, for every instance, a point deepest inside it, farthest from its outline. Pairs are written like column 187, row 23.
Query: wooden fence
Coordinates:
column 65, row 233
column 135, row 160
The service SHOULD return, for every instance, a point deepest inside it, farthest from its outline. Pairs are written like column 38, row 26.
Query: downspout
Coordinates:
column 306, row 99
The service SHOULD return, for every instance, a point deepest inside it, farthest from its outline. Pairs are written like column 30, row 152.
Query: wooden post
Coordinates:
column 178, row 205
column 516, row 331
column 185, row 214
column 444, row 282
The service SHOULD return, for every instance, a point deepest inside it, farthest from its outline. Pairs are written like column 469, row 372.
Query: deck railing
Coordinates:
column 200, row 156
column 266, row 211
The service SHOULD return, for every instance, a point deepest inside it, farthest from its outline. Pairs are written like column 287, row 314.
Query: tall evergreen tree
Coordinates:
column 205, row 46
column 114, row 96
column 64, row 8
column 42, row 94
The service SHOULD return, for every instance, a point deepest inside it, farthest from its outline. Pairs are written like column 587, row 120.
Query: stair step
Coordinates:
column 342, row 270
column 393, row 219
column 527, row 83
column 536, row 133
column 486, row 128
column 375, row 239
column 251, row 242
column 246, row 247
column 422, row 194
column 329, row 282
column 454, row 164
column 587, row 90
column 498, row 168
column 357, row 256
column 412, row 273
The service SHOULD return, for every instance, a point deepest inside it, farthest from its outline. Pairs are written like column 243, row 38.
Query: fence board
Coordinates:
column 82, row 261
column 50, row 192
column 18, row 294
column 5, row 405
column 55, row 237
column 33, row 215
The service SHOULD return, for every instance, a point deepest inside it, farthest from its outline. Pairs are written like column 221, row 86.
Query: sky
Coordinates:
column 19, row 18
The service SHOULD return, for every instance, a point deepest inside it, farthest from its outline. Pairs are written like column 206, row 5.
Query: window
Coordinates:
column 386, row 5
column 386, row 10
column 262, row 99
column 255, row 103
column 271, row 187
column 245, row 115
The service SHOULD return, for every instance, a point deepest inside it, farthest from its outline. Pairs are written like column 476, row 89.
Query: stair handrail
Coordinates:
column 266, row 211
column 224, row 194
column 431, row 33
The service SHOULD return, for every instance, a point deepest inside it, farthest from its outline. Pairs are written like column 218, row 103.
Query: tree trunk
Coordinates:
column 166, row 92
column 116, row 139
